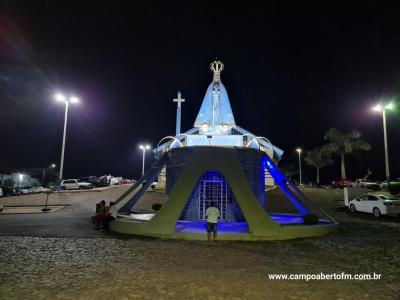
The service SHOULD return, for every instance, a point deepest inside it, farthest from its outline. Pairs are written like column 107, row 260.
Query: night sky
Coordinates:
column 292, row 70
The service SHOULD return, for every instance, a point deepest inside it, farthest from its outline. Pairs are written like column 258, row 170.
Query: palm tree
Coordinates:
column 340, row 143
column 318, row 159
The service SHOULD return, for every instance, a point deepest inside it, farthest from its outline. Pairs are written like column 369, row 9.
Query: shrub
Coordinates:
column 51, row 184
column 310, row 219
column 8, row 184
column 36, row 183
column 394, row 188
column 156, row 206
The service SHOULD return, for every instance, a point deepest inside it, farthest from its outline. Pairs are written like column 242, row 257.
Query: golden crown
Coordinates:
column 217, row 67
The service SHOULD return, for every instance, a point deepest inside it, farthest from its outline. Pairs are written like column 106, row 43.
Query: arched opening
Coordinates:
column 212, row 189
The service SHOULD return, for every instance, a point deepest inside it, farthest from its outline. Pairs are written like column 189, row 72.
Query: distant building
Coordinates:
column 19, row 179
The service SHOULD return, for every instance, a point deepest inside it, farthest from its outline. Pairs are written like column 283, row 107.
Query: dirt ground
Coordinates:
column 125, row 267
column 82, row 201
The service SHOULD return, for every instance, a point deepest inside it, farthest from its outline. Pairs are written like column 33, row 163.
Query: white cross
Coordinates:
column 179, row 100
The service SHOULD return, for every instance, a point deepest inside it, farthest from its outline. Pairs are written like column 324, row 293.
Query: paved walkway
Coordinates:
column 59, row 256
column 57, row 224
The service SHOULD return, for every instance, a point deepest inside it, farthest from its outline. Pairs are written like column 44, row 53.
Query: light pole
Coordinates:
column 70, row 99
column 299, row 150
column 144, row 148
column 44, row 171
column 381, row 108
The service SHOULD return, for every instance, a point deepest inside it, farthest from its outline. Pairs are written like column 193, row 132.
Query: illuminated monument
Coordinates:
column 217, row 162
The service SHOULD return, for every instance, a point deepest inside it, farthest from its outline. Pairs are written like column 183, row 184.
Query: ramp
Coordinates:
column 291, row 191
column 128, row 199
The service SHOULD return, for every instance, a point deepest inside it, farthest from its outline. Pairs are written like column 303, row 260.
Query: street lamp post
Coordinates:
column 299, row 150
column 144, row 148
column 383, row 109
column 44, row 171
column 71, row 99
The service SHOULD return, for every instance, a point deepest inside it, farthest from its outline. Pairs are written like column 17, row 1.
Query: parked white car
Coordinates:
column 75, row 184
column 376, row 204
column 368, row 184
column 41, row 189
column 115, row 180
column 1, row 192
column 25, row 190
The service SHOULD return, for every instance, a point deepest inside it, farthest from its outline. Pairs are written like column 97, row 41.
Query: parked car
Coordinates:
column 115, row 180
column 384, row 184
column 41, row 189
column 55, row 188
column 376, row 204
column 102, row 181
column 341, row 183
column 95, row 181
column 125, row 181
column 75, row 184
column 368, row 184
column 1, row 192
column 25, row 190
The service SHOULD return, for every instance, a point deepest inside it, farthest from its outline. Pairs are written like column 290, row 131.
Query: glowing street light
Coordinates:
column 381, row 108
column 299, row 150
column 66, row 99
column 74, row 99
column 20, row 179
column 378, row 108
column 52, row 166
column 60, row 97
column 144, row 148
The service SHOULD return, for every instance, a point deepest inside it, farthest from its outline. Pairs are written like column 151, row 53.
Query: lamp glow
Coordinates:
column 377, row 107
column 144, row 148
column 389, row 106
column 74, row 99
column 60, row 97
column 299, row 150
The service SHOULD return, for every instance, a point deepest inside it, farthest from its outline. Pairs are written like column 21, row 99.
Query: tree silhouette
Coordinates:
column 342, row 143
column 318, row 159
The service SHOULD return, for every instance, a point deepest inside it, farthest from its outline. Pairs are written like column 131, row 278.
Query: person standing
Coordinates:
column 212, row 214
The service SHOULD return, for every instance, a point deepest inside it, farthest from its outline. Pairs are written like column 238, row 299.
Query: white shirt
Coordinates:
column 212, row 214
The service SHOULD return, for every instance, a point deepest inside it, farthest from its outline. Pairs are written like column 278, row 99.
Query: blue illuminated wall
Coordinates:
column 285, row 185
column 212, row 189
column 253, row 163
column 253, row 168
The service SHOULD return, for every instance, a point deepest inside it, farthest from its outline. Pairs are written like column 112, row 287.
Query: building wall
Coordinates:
column 20, row 181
